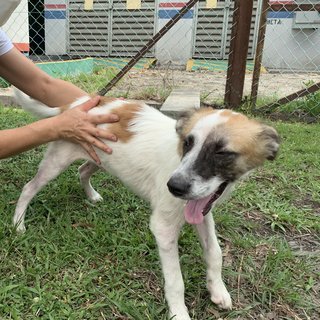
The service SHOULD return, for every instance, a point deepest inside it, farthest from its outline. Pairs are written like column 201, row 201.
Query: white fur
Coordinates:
column 144, row 164
column 36, row 108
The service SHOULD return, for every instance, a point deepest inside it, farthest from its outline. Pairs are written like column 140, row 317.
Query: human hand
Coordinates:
column 79, row 126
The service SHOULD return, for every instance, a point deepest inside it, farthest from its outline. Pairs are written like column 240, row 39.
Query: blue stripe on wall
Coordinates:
column 55, row 14
column 280, row 15
column 169, row 14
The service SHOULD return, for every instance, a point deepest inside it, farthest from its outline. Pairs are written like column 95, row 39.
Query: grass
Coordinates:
column 305, row 108
column 94, row 82
column 84, row 261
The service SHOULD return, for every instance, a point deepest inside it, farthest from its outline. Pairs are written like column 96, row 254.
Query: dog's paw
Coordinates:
column 95, row 197
column 179, row 314
column 220, row 295
column 179, row 317
column 20, row 228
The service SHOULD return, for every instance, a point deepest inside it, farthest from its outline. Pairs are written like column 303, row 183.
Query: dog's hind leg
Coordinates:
column 55, row 161
column 86, row 171
column 166, row 226
column 213, row 258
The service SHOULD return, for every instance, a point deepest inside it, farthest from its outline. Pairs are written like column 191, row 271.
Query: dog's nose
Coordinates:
column 178, row 186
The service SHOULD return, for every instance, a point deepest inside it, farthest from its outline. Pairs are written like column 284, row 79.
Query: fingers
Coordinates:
column 103, row 134
column 84, row 128
column 104, row 118
column 101, row 118
column 86, row 106
column 94, row 141
column 90, row 151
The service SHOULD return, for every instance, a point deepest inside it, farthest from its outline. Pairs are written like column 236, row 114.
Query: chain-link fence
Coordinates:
column 290, row 55
column 89, row 41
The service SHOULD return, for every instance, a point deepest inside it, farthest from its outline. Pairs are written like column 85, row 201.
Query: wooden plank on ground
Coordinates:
column 181, row 100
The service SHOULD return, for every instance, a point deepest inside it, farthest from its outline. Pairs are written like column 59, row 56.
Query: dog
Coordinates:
column 183, row 167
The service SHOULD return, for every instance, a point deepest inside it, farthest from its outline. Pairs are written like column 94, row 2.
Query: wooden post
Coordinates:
column 259, row 51
column 239, row 45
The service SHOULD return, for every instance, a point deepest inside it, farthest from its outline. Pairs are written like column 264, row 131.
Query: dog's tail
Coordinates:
column 35, row 107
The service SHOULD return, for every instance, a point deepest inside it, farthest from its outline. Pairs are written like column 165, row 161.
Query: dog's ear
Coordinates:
column 270, row 141
column 183, row 121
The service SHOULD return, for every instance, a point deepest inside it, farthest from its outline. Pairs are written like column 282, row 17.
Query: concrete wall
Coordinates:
column 176, row 46
column 56, row 38
column 289, row 49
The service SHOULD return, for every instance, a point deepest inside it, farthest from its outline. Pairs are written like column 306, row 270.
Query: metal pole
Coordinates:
column 239, row 45
column 301, row 93
column 148, row 46
column 259, row 51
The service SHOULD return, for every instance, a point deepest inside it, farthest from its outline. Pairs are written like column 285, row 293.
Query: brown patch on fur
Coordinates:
column 126, row 114
column 196, row 116
column 105, row 100
column 252, row 141
column 244, row 137
column 188, row 121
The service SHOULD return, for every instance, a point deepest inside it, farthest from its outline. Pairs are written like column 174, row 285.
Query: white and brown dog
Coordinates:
column 183, row 168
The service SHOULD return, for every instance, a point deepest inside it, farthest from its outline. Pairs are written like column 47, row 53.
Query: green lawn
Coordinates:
column 83, row 261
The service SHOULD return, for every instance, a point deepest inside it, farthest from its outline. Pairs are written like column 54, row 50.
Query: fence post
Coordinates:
column 239, row 45
column 259, row 52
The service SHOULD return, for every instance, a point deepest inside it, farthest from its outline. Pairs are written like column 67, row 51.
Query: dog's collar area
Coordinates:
column 214, row 197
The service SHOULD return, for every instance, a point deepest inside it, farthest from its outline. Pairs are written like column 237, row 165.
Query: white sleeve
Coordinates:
column 5, row 43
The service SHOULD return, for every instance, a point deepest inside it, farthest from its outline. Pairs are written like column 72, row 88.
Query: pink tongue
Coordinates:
column 193, row 210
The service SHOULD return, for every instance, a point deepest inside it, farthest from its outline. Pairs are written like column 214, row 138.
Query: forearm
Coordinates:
column 59, row 92
column 14, row 141
column 25, row 75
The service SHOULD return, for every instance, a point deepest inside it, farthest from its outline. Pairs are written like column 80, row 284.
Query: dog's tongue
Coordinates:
column 193, row 210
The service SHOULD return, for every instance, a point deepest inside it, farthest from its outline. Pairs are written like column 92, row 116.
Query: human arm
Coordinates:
column 75, row 125
column 26, row 76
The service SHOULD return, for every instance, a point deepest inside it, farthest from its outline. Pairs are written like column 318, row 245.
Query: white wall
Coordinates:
column 55, row 27
column 17, row 26
column 288, row 49
column 176, row 45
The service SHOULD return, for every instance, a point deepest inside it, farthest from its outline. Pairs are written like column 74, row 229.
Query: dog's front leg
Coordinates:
column 166, row 235
column 213, row 257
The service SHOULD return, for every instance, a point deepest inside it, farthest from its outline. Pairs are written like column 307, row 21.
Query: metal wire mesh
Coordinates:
column 289, row 82
column 88, row 42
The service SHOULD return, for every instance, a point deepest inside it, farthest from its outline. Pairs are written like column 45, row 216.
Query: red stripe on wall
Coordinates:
column 55, row 6
column 21, row 46
column 172, row 4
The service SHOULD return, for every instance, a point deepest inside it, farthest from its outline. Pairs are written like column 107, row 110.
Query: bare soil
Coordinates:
column 212, row 84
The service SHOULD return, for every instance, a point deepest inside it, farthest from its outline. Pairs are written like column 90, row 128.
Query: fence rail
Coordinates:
column 91, row 43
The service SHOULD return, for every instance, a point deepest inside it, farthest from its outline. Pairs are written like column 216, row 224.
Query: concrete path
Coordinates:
column 6, row 98
column 181, row 100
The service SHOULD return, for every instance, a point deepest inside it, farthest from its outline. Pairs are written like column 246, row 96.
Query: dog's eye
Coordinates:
column 188, row 144
column 225, row 153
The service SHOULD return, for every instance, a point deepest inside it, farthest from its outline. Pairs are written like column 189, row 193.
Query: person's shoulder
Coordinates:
column 5, row 43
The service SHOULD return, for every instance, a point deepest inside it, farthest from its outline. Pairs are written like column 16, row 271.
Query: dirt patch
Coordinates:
column 212, row 84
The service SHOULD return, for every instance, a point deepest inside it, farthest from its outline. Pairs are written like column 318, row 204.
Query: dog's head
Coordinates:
column 217, row 147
